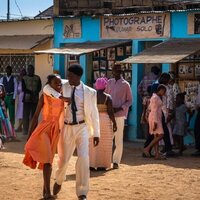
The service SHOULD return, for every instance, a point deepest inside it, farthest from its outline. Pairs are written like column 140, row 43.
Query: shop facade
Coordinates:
column 18, row 41
column 97, row 42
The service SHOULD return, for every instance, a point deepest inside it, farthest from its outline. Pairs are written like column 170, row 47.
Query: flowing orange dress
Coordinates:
column 41, row 146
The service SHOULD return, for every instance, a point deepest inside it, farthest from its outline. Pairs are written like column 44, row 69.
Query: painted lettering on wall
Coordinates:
column 136, row 26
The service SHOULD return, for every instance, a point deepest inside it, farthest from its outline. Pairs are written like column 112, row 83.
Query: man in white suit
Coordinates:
column 81, row 120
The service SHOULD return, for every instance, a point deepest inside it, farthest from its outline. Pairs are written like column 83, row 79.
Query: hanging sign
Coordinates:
column 150, row 25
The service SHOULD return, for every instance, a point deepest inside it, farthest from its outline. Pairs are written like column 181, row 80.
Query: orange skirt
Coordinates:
column 41, row 146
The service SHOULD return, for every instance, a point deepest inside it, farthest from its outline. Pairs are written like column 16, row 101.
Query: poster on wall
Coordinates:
column 120, row 51
column 152, row 25
column 95, row 65
column 96, row 75
column 186, row 70
column 197, row 69
column 111, row 53
column 111, row 64
column 72, row 28
column 191, row 89
column 103, row 64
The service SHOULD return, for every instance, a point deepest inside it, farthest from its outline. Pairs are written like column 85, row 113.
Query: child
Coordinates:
column 6, row 128
column 180, row 127
column 155, row 122
column 42, row 142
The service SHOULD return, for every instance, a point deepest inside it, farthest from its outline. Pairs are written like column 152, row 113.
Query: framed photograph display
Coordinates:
column 186, row 70
column 111, row 64
column 191, row 89
column 103, row 53
column 128, row 50
column 120, row 51
column 103, row 64
column 96, row 54
column 197, row 69
column 73, row 57
column 128, row 76
column 111, row 54
column 103, row 61
column 126, row 67
column 95, row 65
column 96, row 75
column 109, row 74
column 102, row 73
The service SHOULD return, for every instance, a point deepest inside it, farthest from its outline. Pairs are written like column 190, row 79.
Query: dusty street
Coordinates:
column 137, row 178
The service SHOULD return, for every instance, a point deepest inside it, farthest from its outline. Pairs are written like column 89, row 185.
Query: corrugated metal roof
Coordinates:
column 84, row 47
column 46, row 13
column 22, row 41
column 170, row 51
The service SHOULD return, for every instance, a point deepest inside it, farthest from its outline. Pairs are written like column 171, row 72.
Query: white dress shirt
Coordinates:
column 79, row 99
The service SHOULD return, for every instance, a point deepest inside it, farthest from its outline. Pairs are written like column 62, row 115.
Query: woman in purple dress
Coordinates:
column 19, row 113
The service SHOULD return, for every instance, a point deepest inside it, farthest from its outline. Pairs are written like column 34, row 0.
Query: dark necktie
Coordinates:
column 73, row 106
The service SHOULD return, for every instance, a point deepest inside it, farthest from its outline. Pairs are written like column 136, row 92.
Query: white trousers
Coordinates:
column 72, row 137
column 118, row 135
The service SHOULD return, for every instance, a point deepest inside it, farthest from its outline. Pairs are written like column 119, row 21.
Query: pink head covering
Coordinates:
column 101, row 83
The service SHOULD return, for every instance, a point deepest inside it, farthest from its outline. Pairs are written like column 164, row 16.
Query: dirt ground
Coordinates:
column 137, row 179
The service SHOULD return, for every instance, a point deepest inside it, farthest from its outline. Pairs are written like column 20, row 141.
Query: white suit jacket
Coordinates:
column 91, row 115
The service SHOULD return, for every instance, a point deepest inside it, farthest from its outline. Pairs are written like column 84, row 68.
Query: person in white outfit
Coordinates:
column 81, row 119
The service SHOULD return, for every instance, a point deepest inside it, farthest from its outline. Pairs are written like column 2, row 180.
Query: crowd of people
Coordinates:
column 76, row 116
column 25, row 88
column 165, row 115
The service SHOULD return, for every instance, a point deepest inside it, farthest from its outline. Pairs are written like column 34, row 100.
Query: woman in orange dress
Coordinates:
column 41, row 145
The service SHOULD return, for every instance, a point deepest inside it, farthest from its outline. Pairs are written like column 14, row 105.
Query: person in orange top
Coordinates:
column 42, row 141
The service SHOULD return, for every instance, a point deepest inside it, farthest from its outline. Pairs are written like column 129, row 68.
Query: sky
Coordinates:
column 23, row 8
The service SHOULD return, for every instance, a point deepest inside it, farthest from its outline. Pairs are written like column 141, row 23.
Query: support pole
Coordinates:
column 8, row 7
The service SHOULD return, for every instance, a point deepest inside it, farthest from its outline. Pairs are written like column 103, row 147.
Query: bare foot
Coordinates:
column 146, row 153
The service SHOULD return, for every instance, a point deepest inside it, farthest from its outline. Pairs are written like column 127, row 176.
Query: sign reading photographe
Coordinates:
column 72, row 28
column 136, row 26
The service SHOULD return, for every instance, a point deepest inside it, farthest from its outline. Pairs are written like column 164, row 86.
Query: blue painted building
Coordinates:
column 180, row 25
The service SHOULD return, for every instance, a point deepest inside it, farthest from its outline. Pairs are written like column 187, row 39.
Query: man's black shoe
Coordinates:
column 115, row 166
column 56, row 188
column 82, row 197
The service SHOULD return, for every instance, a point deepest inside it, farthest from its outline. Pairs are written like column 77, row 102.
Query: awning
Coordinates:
column 23, row 41
column 84, row 47
column 170, row 51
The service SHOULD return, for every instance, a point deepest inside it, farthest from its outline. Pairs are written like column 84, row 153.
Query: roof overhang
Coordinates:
column 170, row 51
column 23, row 41
column 84, row 47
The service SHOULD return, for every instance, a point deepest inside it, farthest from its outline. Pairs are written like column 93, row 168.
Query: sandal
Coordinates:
column 160, row 157
column 49, row 197
column 146, row 154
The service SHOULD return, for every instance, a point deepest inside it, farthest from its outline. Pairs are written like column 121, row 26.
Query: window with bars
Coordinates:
column 16, row 61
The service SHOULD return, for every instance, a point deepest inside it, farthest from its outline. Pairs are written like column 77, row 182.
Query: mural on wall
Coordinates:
column 72, row 28
column 136, row 26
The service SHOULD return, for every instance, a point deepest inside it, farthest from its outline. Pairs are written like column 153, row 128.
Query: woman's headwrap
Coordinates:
column 101, row 83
